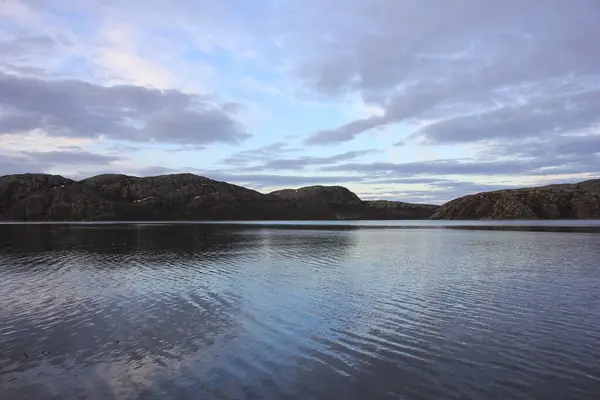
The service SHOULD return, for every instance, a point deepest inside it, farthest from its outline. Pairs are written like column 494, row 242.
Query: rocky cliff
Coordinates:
column 566, row 201
column 39, row 197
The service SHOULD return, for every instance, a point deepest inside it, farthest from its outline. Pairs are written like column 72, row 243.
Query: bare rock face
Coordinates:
column 567, row 201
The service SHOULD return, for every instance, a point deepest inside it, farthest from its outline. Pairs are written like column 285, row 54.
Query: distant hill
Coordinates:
column 115, row 197
column 326, row 201
column 564, row 201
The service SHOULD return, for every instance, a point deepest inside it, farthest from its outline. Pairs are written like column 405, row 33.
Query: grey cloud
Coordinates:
column 23, row 53
column 560, row 148
column 438, row 167
column 69, row 157
column 22, row 69
column 434, row 41
column 547, row 117
column 186, row 148
column 18, row 45
column 261, row 154
column 123, row 148
column 70, row 148
column 18, row 164
column 345, row 132
column 535, row 166
column 269, row 158
column 291, row 164
column 422, row 197
column 407, row 181
column 30, row 161
column 434, row 58
column 80, row 109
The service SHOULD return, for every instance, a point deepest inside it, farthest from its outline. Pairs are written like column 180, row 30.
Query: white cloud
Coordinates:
column 493, row 88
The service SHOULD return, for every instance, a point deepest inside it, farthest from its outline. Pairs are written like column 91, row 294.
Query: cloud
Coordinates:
column 71, row 108
column 535, row 166
column 346, row 132
column 568, row 113
column 75, row 148
column 69, row 158
column 434, row 59
column 559, row 148
column 145, row 43
column 260, row 154
column 511, row 87
column 25, row 45
column 293, row 164
column 20, row 54
column 44, row 161
column 407, row 181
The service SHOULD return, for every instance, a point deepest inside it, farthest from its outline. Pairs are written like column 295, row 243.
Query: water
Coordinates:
column 417, row 310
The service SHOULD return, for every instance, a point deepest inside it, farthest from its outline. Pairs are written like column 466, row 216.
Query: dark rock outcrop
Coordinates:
column 186, row 197
column 325, row 202
column 566, row 201
column 385, row 209
column 40, row 197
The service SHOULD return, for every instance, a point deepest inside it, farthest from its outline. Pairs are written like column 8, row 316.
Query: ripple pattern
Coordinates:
column 241, row 312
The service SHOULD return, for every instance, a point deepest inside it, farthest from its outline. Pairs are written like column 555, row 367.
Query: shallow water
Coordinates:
column 350, row 310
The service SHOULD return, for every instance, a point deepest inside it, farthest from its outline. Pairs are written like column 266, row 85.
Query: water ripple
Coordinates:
column 222, row 312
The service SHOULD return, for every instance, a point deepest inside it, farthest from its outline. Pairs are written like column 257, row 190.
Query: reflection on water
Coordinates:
column 247, row 311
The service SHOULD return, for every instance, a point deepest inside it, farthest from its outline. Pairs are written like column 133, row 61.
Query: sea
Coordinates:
column 300, row 310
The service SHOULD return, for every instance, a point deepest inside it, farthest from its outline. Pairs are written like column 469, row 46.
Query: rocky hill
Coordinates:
column 385, row 209
column 565, row 201
column 326, row 201
column 40, row 197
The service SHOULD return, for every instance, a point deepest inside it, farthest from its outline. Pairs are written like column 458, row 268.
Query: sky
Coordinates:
column 411, row 100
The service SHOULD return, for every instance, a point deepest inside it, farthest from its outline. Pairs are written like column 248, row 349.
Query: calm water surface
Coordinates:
column 344, row 311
